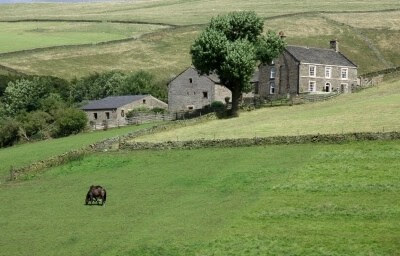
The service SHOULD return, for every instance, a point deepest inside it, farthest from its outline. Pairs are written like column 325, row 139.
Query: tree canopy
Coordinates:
column 231, row 46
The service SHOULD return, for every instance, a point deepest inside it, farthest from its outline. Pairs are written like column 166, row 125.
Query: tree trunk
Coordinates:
column 235, row 101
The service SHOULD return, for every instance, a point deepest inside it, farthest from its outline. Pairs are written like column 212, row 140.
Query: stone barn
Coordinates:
column 114, row 108
column 190, row 90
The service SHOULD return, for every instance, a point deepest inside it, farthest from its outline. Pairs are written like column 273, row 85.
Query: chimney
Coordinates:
column 335, row 45
column 282, row 35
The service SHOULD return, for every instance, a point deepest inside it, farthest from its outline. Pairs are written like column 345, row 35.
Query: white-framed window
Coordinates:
column 272, row 88
column 312, row 86
column 273, row 73
column 328, row 72
column 312, row 71
column 344, row 74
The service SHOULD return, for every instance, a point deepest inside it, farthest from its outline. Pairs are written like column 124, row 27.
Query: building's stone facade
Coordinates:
column 117, row 116
column 288, row 75
column 190, row 91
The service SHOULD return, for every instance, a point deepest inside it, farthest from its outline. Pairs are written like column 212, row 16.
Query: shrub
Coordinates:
column 9, row 132
column 36, row 124
column 69, row 121
column 219, row 108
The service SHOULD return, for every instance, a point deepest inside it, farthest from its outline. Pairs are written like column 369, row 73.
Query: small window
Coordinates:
column 95, row 116
column 343, row 88
column 272, row 62
column 190, row 80
column 122, row 113
column 272, row 88
column 273, row 73
column 190, row 107
column 312, row 71
column 344, row 73
column 107, row 115
column 205, row 95
column 312, row 86
column 328, row 72
column 144, row 101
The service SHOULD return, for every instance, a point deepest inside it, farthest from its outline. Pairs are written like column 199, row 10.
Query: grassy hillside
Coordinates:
column 183, row 12
column 25, row 154
column 29, row 35
column 277, row 200
column 374, row 109
column 166, row 52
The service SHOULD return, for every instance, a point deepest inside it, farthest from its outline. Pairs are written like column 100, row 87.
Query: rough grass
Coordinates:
column 164, row 53
column 29, row 35
column 277, row 200
column 372, row 110
column 25, row 154
column 183, row 12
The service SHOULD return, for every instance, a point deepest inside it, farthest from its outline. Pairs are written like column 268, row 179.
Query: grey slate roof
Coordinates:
column 112, row 102
column 319, row 56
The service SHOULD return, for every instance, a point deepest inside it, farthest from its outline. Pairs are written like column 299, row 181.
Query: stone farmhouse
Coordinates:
column 190, row 90
column 302, row 69
column 114, row 108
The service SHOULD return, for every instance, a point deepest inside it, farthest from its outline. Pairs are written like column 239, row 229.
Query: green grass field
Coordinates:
column 28, row 153
column 29, row 35
column 275, row 200
column 372, row 45
column 371, row 110
column 183, row 12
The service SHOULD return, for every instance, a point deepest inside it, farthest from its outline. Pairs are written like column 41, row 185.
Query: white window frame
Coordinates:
column 272, row 88
column 314, row 89
column 315, row 70
column 273, row 73
column 347, row 73
column 328, row 70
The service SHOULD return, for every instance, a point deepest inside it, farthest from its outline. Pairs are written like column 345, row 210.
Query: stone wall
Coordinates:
column 286, row 78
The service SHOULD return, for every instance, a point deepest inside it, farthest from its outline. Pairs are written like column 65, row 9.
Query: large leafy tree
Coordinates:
column 231, row 46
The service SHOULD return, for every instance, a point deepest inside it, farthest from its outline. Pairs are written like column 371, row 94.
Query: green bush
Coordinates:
column 219, row 108
column 69, row 121
column 9, row 132
column 36, row 125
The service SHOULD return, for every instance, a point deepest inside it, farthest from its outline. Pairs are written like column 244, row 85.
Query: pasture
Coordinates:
column 15, row 36
column 183, row 12
column 25, row 154
column 291, row 200
column 371, row 110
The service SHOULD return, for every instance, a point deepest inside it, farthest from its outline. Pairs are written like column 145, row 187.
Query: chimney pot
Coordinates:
column 334, row 45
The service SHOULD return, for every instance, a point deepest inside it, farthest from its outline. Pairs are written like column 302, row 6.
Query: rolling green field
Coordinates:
column 28, row 153
column 371, row 110
column 183, row 12
column 276, row 200
column 372, row 45
column 29, row 35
